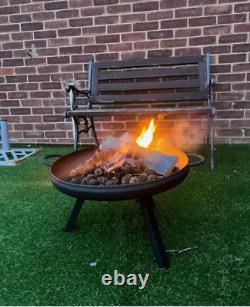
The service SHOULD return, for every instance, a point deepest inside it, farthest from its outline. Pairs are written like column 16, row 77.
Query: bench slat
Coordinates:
column 179, row 60
column 138, row 111
column 158, row 97
column 148, row 73
column 194, row 83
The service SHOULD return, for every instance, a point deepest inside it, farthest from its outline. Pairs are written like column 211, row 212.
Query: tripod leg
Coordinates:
column 74, row 214
column 154, row 233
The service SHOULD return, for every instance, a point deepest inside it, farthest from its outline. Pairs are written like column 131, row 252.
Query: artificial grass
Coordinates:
column 40, row 264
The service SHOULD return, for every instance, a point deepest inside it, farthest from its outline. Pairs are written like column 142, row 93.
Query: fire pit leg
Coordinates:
column 74, row 214
column 147, row 205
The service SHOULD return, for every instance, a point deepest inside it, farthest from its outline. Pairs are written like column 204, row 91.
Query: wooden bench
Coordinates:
column 164, row 85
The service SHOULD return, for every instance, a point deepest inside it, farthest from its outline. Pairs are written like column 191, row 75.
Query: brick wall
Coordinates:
column 67, row 34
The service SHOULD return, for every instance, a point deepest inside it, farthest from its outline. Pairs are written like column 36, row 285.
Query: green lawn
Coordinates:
column 40, row 264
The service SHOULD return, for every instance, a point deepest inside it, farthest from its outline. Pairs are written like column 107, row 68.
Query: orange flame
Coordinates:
column 147, row 134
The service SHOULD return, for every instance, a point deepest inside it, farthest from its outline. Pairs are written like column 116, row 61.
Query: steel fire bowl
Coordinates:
column 60, row 170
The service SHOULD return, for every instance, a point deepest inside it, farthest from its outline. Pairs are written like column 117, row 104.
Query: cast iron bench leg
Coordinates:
column 74, row 214
column 147, row 205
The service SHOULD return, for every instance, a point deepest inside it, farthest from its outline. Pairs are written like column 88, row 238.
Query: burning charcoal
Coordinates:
column 126, row 178
column 73, row 180
column 143, row 176
column 90, row 176
column 149, row 171
column 113, row 181
column 98, row 172
column 84, row 181
column 152, row 177
column 102, row 180
column 93, row 182
column 134, row 179
column 126, row 168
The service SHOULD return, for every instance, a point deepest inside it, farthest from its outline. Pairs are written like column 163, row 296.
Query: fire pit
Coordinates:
column 71, row 175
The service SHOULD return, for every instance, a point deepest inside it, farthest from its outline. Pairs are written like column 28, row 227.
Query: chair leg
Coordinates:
column 211, row 142
column 154, row 233
column 94, row 131
column 75, row 132
column 74, row 214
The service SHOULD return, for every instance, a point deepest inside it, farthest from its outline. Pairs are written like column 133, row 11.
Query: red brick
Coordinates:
column 69, row 32
column 236, row 18
column 159, row 52
column 120, row 47
column 45, row 34
column 56, row 5
column 232, row 58
column 217, row 49
column 202, row 21
column 188, row 32
column 107, row 56
column 37, row 43
column 92, row 11
column 230, row 114
column 133, row 17
column 20, row 111
column 203, row 40
column 129, row 37
column 43, row 16
column 167, row 4
column 169, row 43
column 119, row 28
column 217, row 30
column 202, row 2
column 104, row 2
column 67, row 13
column 16, row 79
column 34, row 7
column 241, row 48
column 8, row 10
column 189, row 51
column 146, row 6
column 133, row 54
column 159, row 15
column 20, row 18
column 145, row 26
column 242, row 7
column 241, row 86
column 229, row 132
column 4, row 37
column 12, row 62
column 93, row 30
column 241, row 67
column 80, row 3
column 233, row 38
column 244, row 27
column 218, row 9
column 9, row 28
column 58, row 60
column 146, row 45
column 100, row 20
column 95, row 48
column 22, row 36
column 102, row 39
column 114, row 9
column 71, row 50
column 188, row 12
column 80, row 22
column 172, row 24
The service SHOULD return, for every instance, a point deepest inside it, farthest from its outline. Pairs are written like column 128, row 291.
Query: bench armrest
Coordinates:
column 71, row 86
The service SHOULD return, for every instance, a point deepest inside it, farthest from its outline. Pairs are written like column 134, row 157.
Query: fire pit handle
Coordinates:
column 195, row 159
column 46, row 159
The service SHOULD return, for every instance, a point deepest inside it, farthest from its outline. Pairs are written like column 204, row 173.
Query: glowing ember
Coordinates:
column 146, row 137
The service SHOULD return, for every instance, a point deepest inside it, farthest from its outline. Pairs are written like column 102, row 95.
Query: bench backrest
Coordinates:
column 163, row 79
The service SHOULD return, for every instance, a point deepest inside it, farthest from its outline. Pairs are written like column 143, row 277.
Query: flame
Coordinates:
column 147, row 134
